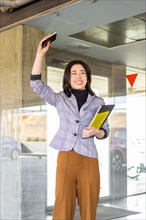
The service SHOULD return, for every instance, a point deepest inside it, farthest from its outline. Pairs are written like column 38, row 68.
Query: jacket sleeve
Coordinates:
column 44, row 91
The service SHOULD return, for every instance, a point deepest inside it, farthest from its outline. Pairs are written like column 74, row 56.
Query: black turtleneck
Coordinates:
column 81, row 96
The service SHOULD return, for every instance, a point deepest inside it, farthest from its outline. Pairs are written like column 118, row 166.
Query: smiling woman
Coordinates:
column 78, row 79
column 76, row 106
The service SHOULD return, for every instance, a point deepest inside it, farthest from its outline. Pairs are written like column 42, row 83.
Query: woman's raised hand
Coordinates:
column 43, row 50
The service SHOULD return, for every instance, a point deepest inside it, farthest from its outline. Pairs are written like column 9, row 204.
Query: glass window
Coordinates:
column 136, row 128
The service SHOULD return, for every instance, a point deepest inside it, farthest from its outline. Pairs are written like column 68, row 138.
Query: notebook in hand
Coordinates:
column 101, row 115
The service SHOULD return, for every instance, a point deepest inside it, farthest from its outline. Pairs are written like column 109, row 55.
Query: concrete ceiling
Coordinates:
column 88, row 14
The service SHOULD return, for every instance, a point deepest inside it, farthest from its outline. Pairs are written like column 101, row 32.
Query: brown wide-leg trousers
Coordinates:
column 78, row 178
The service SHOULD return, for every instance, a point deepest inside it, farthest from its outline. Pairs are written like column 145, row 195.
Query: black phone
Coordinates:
column 51, row 39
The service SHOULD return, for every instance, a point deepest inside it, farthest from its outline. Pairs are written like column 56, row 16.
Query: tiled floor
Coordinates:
column 133, row 203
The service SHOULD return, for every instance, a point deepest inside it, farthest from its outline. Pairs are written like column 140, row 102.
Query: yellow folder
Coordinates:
column 101, row 115
column 99, row 119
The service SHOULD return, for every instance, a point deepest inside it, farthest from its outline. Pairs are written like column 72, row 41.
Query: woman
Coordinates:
column 77, row 175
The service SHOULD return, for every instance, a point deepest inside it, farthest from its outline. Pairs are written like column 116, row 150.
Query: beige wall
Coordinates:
column 11, row 67
column 17, row 52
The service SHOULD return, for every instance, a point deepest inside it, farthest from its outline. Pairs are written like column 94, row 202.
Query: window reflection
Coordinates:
column 136, row 108
column 32, row 123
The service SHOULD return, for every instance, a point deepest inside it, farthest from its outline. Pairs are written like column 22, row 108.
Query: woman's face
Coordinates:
column 78, row 77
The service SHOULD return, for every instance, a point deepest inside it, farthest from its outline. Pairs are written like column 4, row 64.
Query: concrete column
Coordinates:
column 118, row 121
column 22, row 180
column 117, row 81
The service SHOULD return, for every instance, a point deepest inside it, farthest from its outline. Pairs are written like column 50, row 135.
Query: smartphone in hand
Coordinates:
column 51, row 39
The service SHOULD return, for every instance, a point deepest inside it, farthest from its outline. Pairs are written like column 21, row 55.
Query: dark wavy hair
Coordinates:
column 66, row 78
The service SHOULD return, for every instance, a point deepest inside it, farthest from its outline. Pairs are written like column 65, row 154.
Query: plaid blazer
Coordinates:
column 72, row 121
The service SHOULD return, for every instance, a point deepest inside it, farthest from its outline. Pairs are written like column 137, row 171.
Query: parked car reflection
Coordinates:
column 118, row 146
column 10, row 148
